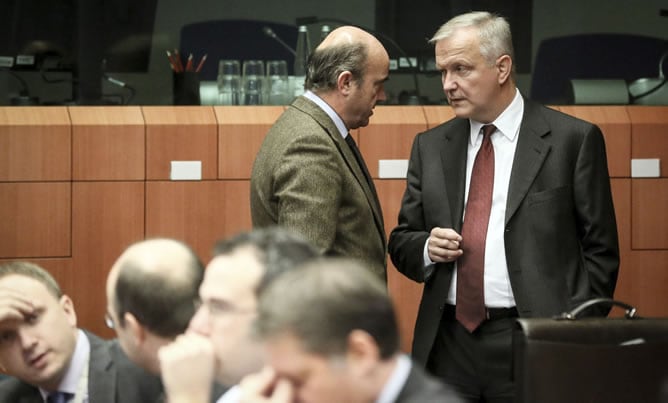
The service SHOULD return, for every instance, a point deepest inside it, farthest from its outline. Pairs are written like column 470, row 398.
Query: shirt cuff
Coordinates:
column 428, row 264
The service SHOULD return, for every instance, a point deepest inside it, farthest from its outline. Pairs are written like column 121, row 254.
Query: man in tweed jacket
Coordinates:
column 307, row 175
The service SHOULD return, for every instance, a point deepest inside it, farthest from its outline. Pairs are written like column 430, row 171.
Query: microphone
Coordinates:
column 270, row 33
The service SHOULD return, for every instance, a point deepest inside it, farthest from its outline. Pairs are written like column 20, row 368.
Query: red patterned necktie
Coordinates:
column 470, row 307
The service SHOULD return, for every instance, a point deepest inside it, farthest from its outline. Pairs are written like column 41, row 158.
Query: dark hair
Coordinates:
column 277, row 249
column 323, row 301
column 33, row 271
column 325, row 64
column 163, row 303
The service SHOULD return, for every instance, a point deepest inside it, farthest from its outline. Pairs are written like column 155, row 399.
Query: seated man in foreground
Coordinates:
column 332, row 336
column 49, row 358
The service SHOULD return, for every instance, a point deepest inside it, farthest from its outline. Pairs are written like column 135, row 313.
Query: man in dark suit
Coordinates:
column 331, row 336
column 308, row 175
column 541, row 235
column 46, row 354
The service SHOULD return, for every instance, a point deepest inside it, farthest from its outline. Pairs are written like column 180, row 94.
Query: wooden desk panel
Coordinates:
column 649, row 213
column 107, row 217
column 241, row 131
column 405, row 293
column 649, row 135
column 649, row 277
column 198, row 213
column 35, row 219
column 437, row 114
column 35, row 144
column 180, row 133
column 108, row 143
column 390, row 134
column 616, row 127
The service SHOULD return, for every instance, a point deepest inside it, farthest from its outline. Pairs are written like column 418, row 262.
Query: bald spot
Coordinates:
column 349, row 35
column 164, row 257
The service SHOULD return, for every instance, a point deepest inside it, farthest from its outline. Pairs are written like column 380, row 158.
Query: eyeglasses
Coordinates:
column 221, row 308
column 109, row 321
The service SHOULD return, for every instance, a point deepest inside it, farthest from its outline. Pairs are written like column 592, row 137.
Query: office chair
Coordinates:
column 592, row 56
column 235, row 39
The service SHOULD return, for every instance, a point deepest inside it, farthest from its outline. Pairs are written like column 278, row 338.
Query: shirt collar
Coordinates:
column 329, row 111
column 396, row 381
column 508, row 122
column 70, row 381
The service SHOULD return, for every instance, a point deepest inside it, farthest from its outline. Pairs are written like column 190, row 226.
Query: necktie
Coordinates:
column 360, row 161
column 470, row 311
column 58, row 397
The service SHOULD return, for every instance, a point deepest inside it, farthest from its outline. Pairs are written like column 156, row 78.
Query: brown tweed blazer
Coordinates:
column 305, row 177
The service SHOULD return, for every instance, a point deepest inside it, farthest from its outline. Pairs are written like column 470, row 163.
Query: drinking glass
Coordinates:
column 277, row 82
column 229, row 82
column 252, row 79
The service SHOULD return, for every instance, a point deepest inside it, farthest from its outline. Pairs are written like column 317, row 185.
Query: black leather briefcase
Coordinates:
column 606, row 360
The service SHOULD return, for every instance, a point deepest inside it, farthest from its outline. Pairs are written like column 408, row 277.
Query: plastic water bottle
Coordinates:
column 303, row 49
column 324, row 31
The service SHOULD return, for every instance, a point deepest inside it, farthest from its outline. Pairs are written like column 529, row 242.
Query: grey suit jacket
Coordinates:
column 422, row 388
column 112, row 378
column 305, row 177
column 560, row 230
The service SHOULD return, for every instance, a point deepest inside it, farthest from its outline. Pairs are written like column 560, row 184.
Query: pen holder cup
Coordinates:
column 186, row 88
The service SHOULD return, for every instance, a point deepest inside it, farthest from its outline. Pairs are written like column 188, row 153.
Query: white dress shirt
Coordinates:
column 498, row 292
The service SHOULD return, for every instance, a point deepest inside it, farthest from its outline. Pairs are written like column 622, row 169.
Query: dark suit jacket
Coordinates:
column 112, row 378
column 305, row 177
column 560, row 230
column 422, row 388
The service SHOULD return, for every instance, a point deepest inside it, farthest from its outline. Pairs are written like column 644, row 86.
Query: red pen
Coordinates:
column 201, row 63
column 177, row 61
column 189, row 63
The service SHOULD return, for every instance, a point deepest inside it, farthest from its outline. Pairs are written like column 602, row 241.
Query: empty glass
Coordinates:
column 229, row 82
column 277, row 82
column 252, row 79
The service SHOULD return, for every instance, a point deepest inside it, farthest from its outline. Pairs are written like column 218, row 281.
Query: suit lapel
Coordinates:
column 328, row 125
column 529, row 157
column 454, row 169
column 101, row 377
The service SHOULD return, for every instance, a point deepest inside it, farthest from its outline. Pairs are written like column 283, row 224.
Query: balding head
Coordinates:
column 348, row 70
column 349, row 35
column 156, row 280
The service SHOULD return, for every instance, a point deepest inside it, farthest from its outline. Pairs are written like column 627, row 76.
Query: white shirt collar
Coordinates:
column 329, row 111
column 508, row 122
column 396, row 382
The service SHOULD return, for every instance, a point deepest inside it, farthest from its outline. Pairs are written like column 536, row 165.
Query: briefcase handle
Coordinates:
column 572, row 315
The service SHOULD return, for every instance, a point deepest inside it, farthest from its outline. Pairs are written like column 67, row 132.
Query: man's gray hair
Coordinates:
column 494, row 32
column 326, row 64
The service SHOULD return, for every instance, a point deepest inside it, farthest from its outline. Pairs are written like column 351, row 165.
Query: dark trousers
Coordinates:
column 479, row 364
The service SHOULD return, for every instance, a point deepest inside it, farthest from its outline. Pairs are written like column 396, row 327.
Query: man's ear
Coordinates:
column 135, row 328
column 344, row 82
column 362, row 353
column 68, row 307
column 504, row 65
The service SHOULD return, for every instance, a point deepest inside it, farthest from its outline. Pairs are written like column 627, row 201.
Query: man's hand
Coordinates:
column 187, row 369
column 14, row 306
column 266, row 387
column 443, row 245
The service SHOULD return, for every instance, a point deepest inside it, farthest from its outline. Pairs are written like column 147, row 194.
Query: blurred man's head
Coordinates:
column 348, row 70
column 38, row 330
column 151, row 296
column 241, row 268
column 330, row 330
